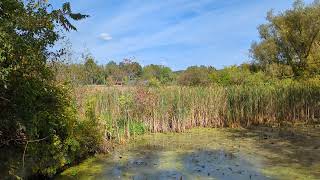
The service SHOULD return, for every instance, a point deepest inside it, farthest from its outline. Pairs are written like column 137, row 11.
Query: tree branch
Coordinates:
column 25, row 148
column 5, row 99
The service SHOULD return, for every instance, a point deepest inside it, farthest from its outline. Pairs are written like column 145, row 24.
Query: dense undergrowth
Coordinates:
column 60, row 138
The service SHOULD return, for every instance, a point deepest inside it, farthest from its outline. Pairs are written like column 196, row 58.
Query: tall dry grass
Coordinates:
column 178, row 108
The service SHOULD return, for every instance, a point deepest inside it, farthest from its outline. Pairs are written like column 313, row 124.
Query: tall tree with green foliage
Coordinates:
column 36, row 114
column 291, row 38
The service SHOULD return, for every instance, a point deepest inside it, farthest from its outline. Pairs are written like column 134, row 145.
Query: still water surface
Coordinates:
column 231, row 154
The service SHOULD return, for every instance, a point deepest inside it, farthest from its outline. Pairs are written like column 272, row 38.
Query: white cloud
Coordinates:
column 105, row 36
column 185, row 30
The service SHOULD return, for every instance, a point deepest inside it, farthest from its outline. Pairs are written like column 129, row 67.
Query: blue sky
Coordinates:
column 175, row 33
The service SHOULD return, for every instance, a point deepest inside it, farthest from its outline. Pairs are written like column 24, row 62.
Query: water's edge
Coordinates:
column 202, row 153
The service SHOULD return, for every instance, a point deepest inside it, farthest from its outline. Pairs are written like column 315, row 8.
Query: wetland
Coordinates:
column 203, row 153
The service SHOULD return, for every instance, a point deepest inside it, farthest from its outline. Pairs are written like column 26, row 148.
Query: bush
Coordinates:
column 90, row 131
column 195, row 76
column 37, row 114
column 153, row 82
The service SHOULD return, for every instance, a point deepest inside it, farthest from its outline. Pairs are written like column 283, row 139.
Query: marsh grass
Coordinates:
column 130, row 111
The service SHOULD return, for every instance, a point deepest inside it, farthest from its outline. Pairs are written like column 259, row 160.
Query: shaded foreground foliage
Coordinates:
column 39, row 128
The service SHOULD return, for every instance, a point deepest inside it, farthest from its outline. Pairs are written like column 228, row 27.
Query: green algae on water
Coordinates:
column 201, row 153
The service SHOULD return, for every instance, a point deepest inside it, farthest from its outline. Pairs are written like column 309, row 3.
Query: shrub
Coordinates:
column 37, row 115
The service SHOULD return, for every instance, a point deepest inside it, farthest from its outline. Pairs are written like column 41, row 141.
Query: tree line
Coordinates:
column 41, row 130
column 130, row 72
column 288, row 48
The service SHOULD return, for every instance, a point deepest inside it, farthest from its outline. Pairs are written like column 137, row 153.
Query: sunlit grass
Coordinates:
column 129, row 111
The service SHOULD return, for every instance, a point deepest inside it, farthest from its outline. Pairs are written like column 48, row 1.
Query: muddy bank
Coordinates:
column 260, row 153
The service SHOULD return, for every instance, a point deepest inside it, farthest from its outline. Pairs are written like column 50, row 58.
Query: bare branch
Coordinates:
column 25, row 148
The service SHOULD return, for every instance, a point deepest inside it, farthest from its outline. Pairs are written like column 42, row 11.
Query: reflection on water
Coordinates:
column 262, row 153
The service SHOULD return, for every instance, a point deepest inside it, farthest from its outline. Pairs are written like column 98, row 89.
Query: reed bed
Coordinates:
column 131, row 110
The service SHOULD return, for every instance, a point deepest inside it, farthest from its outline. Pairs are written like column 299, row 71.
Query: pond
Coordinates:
column 259, row 153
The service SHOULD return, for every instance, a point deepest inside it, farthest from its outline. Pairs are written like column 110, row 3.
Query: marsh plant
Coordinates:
column 134, row 110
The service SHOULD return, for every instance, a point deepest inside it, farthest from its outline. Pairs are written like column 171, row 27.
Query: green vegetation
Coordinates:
column 288, row 49
column 177, row 108
column 49, row 120
column 39, row 129
column 290, row 40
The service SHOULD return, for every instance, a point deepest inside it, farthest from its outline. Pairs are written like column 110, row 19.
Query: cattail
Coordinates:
column 176, row 108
